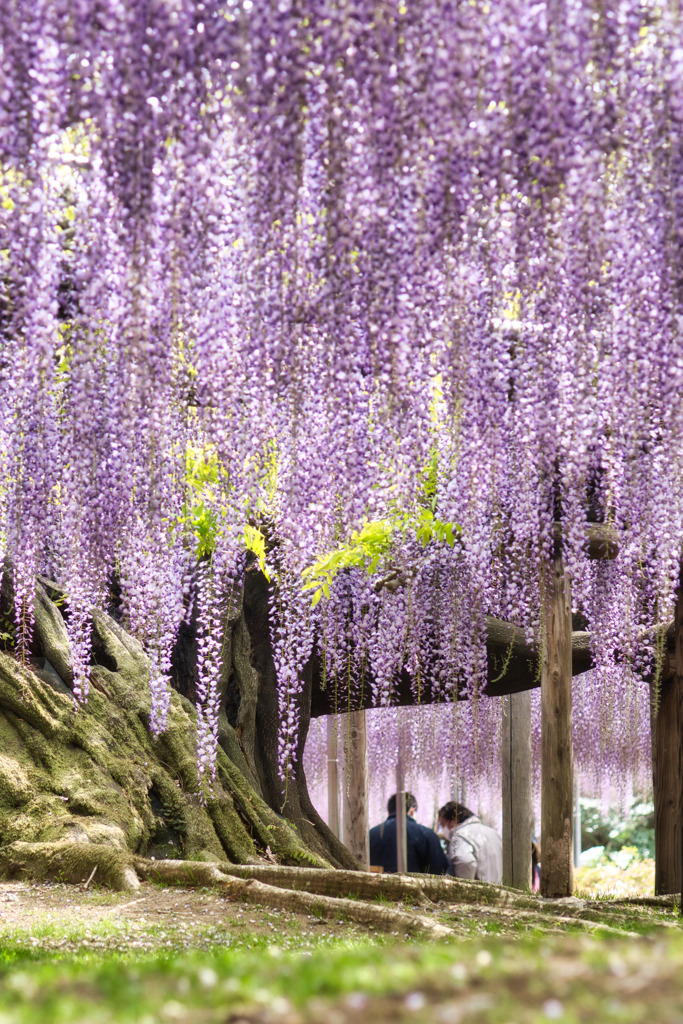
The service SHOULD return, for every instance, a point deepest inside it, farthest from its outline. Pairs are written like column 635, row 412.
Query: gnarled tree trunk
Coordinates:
column 95, row 775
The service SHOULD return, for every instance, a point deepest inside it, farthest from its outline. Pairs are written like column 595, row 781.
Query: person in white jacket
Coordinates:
column 474, row 850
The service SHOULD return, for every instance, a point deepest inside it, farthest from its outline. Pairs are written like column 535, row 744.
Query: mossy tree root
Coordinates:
column 551, row 919
column 395, row 887
column 250, row 890
column 293, row 889
column 69, row 862
column 664, row 902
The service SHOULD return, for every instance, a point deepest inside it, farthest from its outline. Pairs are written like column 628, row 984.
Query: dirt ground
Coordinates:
column 154, row 917
column 25, row 903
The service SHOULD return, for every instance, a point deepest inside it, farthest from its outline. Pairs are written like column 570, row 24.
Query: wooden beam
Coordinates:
column 517, row 802
column 602, row 540
column 512, row 666
column 557, row 767
column 355, row 747
column 333, row 776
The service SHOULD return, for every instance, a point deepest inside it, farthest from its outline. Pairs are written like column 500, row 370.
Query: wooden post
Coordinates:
column 667, row 769
column 333, row 776
column 577, row 822
column 666, row 782
column 557, row 767
column 355, row 747
column 401, row 827
column 517, row 802
column 678, row 680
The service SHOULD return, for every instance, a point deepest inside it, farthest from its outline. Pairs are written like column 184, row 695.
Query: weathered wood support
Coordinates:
column 667, row 768
column 401, row 826
column 517, row 802
column 355, row 766
column 602, row 540
column 512, row 658
column 678, row 679
column 513, row 666
column 557, row 767
column 333, row 816
column 577, row 822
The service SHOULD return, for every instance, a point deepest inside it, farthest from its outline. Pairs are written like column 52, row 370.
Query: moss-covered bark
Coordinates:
column 248, row 724
column 95, row 775
column 293, row 799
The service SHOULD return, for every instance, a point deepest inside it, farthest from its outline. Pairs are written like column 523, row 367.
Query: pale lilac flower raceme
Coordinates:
column 373, row 261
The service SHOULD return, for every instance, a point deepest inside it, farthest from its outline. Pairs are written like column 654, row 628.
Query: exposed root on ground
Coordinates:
column 422, row 889
column 647, row 901
column 353, row 896
column 538, row 918
column 69, row 862
column 250, row 890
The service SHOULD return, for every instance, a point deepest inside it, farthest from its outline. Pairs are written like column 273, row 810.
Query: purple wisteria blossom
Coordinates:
column 376, row 259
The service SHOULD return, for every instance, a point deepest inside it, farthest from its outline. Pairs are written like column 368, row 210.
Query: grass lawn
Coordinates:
column 177, row 955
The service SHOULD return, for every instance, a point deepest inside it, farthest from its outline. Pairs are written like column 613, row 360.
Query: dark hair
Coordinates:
column 410, row 803
column 455, row 812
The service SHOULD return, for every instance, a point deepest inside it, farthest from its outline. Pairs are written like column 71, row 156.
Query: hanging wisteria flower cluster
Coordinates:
column 410, row 268
column 454, row 752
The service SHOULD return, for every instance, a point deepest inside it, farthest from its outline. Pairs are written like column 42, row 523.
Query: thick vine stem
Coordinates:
column 646, row 901
column 512, row 667
column 303, row 890
column 335, row 894
column 364, row 885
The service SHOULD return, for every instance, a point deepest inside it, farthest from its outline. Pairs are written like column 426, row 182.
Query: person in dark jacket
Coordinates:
column 425, row 853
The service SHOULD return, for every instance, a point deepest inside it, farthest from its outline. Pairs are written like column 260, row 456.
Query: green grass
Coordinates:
column 259, row 964
column 133, row 941
column 127, row 988
column 519, row 978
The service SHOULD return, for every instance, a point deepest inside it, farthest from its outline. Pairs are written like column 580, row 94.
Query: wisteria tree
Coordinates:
column 316, row 320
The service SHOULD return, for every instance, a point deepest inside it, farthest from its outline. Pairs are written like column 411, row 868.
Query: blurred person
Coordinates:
column 425, row 853
column 535, row 865
column 474, row 850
